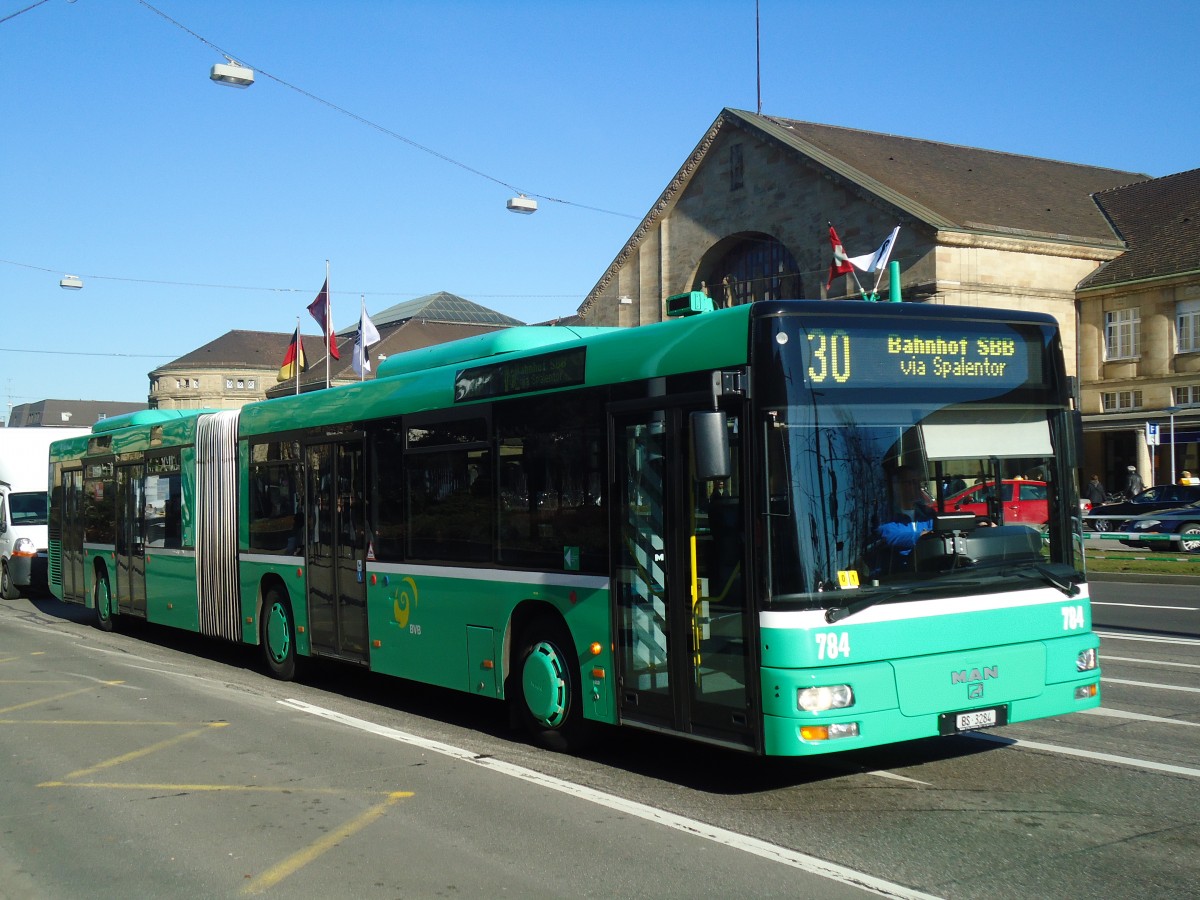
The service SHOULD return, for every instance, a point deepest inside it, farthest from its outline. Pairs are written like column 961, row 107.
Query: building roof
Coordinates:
column 947, row 186
column 244, row 349
column 440, row 307
column 69, row 413
column 951, row 186
column 1159, row 220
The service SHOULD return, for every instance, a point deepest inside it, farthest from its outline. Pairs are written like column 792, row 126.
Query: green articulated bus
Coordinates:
column 788, row 527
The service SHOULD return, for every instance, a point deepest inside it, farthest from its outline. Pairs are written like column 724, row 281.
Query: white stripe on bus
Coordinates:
column 916, row 609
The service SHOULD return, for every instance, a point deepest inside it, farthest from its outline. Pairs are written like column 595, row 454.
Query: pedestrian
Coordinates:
column 1185, row 477
column 1134, row 485
column 1094, row 493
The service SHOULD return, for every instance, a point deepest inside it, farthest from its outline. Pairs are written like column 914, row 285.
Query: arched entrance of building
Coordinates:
column 747, row 267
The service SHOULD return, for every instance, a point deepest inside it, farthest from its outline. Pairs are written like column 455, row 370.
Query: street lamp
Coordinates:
column 1172, row 410
column 522, row 204
column 233, row 74
column 71, row 282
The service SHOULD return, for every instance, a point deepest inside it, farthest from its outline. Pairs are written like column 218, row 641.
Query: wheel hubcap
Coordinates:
column 279, row 637
column 544, row 685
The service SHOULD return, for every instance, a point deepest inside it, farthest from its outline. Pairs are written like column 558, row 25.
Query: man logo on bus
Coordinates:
column 965, row 676
column 403, row 602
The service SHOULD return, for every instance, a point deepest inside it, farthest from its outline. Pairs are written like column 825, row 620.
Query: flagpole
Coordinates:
column 299, row 351
column 362, row 353
column 328, row 318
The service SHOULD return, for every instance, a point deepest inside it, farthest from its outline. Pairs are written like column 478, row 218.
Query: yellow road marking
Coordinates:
column 194, row 788
column 145, row 751
column 296, row 861
column 9, row 709
column 86, row 722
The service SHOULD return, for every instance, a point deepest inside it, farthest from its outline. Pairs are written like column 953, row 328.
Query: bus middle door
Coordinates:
column 131, row 539
column 336, row 549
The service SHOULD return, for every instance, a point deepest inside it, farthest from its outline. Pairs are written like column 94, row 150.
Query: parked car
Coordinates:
column 1181, row 520
column 1112, row 516
column 1022, row 501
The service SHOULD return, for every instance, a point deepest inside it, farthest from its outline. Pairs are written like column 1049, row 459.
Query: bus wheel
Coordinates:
column 103, row 599
column 278, row 638
column 545, row 687
column 8, row 590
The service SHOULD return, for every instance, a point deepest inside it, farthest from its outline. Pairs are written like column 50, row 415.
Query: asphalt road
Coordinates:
column 152, row 763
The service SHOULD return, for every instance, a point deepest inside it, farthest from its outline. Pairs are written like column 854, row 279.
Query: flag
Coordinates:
column 321, row 311
column 294, row 356
column 873, row 262
column 840, row 265
column 368, row 334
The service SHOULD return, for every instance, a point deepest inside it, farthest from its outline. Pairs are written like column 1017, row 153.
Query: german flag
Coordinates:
column 294, row 357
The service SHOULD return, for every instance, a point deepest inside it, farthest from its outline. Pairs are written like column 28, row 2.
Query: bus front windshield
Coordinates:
column 870, row 496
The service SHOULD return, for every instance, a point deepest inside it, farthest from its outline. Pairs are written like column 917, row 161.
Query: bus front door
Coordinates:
column 131, row 540
column 684, row 632
column 336, row 549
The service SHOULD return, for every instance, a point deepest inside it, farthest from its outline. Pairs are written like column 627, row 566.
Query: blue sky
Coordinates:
column 190, row 209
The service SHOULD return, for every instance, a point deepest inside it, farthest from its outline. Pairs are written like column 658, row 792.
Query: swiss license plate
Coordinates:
column 953, row 723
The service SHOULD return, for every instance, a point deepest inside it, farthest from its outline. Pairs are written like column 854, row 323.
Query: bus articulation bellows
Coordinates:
column 689, row 527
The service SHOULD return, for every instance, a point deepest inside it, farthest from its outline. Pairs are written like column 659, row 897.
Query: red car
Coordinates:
column 1022, row 501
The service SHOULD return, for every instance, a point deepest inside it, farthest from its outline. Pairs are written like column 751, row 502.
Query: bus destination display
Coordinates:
column 955, row 357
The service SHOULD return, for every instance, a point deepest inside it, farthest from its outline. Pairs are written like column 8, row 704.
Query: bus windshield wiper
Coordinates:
column 1068, row 585
column 837, row 613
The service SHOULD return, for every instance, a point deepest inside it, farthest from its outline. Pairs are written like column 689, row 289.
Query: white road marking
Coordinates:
column 1146, row 638
column 1150, row 684
column 1150, row 662
column 1145, row 606
column 1140, row 717
column 1087, row 754
column 693, row 827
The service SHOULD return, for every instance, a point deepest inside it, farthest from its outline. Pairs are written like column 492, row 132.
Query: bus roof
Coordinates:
column 145, row 417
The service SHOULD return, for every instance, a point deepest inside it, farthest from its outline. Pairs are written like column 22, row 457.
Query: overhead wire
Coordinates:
column 380, row 128
column 277, row 290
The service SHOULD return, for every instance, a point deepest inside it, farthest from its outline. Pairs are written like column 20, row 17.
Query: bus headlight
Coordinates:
column 820, row 699
column 24, row 547
column 1087, row 660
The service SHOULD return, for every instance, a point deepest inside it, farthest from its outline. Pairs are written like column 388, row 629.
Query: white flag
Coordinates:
column 368, row 334
column 873, row 262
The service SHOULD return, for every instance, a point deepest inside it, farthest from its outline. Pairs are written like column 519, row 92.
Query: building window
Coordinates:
column 196, row 383
column 1122, row 333
column 1121, row 401
column 1187, row 326
column 229, row 384
column 736, row 169
column 1187, row 395
column 250, row 384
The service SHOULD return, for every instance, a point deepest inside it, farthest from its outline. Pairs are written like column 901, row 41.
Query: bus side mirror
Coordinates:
column 710, row 444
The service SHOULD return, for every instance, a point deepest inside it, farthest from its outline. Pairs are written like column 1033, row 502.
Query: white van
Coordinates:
column 24, row 464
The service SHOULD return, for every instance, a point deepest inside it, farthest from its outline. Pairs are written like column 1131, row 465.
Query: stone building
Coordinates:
column 1139, row 324
column 747, row 218
column 242, row 366
column 226, row 373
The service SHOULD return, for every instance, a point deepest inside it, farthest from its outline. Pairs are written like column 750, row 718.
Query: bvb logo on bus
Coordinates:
column 403, row 601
